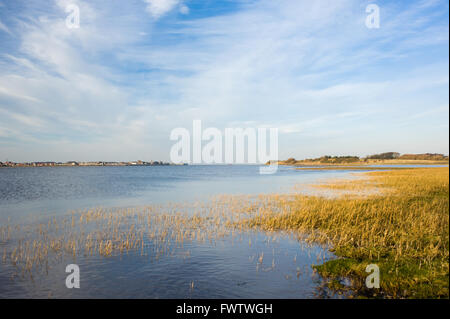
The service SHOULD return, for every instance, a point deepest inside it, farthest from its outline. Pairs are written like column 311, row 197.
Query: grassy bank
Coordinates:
column 362, row 162
column 403, row 228
column 348, row 167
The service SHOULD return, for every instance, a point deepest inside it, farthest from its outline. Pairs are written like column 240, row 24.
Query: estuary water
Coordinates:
column 248, row 265
column 49, row 191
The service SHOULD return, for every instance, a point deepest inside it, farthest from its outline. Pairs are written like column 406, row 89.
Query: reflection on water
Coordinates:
column 169, row 260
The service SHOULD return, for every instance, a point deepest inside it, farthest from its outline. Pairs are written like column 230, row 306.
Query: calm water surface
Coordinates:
column 227, row 268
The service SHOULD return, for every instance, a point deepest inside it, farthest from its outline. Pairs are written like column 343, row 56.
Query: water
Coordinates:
column 49, row 191
column 226, row 268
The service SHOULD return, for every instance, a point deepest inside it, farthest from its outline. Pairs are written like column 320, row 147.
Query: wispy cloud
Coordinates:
column 4, row 28
column 158, row 8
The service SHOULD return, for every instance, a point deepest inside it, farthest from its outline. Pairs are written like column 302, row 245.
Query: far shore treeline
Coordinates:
column 388, row 157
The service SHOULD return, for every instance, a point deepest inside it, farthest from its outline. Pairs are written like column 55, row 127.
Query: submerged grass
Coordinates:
column 404, row 229
column 153, row 232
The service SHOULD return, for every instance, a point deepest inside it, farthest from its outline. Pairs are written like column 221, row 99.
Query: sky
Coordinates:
column 114, row 88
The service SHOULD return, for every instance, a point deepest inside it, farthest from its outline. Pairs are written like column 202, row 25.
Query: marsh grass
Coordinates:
column 403, row 228
column 153, row 232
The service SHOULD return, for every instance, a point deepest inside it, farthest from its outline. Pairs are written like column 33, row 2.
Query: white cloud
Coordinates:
column 158, row 8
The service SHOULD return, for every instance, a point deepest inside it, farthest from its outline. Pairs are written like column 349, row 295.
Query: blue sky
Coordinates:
column 114, row 88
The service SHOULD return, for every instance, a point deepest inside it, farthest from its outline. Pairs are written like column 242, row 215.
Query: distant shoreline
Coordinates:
column 86, row 164
column 390, row 158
